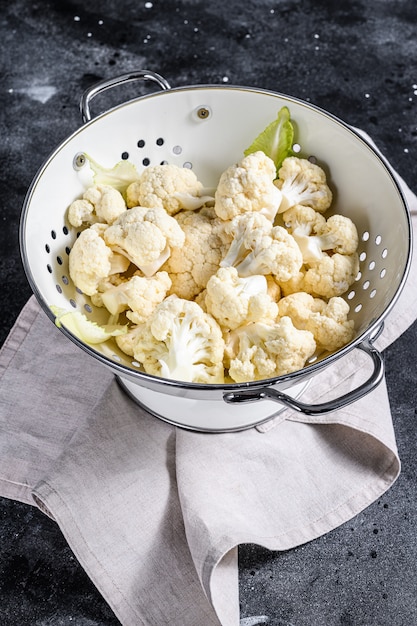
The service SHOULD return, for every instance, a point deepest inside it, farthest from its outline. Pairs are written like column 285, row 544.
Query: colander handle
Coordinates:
column 325, row 407
column 108, row 83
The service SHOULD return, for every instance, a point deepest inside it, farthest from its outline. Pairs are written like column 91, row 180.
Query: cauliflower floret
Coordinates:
column 128, row 341
column 240, row 229
column 234, row 301
column 140, row 294
column 299, row 306
column 331, row 275
column 303, row 182
column 338, row 234
column 81, row 212
column 258, row 351
column 331, row 327
column 301, row 222
column 108, row 202
column 191, row 266
column 248, row 186
column 111, row 281
column 100, row 203
column 315, row 235
column 180, row 341
column 91, row 260
column 274, row 253
column 167, row 186
column 328, row 321
column 145, row 236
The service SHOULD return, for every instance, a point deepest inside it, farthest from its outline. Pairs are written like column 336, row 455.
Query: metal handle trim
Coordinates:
column 325, row 407
column 108, row 83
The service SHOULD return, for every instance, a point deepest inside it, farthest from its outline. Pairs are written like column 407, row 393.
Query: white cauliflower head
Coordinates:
column 331, row 275
column 191, row 266
column 138, row 296
column 259, row 351
column 80, row 212
column 180, row 341
column 299, row 306
column 303, row 182
column 328, row 321
column 315, row 235
column 338, row 234
column 248, row 186
column 145, row 236
column 128, row 341
column 91, row 261
column 100, row 203
column 275, row 253
column 240, row 229
column 108, row 202
column 331, row 327
column 167, row 186
column 234, row 301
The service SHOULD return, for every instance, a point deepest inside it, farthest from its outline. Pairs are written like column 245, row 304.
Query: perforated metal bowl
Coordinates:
column 207, row 127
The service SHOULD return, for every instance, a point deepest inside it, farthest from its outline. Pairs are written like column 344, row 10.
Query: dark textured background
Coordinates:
column 358, row 60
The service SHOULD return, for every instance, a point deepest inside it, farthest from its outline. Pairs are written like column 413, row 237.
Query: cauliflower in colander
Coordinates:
column 242, row 284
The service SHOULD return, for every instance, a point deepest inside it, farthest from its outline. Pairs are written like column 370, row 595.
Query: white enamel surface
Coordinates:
column 207, row 415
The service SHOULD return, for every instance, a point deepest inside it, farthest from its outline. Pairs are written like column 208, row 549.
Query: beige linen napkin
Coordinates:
column 155, row 513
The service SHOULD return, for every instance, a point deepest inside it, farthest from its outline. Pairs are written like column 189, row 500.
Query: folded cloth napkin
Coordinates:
column 154, row 513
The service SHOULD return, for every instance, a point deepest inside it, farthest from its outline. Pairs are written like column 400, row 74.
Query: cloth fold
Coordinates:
column 154, row 513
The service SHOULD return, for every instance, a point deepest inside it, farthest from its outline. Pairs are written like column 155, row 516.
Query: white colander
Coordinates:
column 207, row 128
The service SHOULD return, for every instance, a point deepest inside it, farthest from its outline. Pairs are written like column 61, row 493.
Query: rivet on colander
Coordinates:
column 79, row 161
column 203, row 112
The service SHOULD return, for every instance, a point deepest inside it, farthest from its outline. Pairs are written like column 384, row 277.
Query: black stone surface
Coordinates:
column 357, row 59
